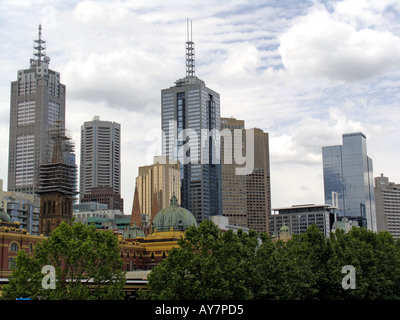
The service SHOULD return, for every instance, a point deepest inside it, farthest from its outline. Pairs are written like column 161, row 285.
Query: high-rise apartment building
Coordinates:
column 246, row 198
column 387, row 200
column 348, row 173
column 190, row 113
column 37, row 101
column 100, row 160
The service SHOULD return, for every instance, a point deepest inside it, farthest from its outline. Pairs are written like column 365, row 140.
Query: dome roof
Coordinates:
column 133, row 232
column 4, row 217
column 284, row 228
column 173, row 216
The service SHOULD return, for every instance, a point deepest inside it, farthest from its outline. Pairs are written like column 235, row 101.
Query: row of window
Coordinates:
column 14, row 247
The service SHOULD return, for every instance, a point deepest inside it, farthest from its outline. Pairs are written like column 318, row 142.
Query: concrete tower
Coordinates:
column 37, row 101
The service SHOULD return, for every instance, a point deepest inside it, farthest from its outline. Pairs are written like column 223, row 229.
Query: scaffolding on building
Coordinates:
column 59, row 176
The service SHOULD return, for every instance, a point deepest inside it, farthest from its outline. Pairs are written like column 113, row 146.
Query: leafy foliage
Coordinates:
column 87, row 266
column 211, row 264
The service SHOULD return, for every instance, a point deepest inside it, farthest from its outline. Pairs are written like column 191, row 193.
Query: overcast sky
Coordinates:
column 304, row 71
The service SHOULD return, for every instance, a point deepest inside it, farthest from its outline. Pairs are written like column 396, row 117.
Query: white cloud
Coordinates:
column 318, row 45
column 116, row 56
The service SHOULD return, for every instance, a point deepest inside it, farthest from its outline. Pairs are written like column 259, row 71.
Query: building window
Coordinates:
column 14, row 247
column 30, row 247
column 11, row 263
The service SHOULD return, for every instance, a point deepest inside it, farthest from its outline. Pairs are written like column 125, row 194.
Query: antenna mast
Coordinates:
column 189, row 51
column 39, row 47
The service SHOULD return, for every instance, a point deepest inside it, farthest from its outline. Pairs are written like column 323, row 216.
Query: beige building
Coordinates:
column 387, row 201
column 246, row 199
column 155, row 186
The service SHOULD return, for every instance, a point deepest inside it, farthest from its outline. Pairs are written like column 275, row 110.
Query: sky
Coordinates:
column 306, row 72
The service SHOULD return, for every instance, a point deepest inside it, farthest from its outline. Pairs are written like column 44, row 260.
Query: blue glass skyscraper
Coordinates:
column 348, row 173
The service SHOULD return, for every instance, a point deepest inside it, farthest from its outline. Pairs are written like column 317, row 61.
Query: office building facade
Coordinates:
column 22, row 208
column 100, row 161
column 156, row 184
column 348, row 173
column 37, row 102
column 246, row 198
column 190, row 113
column 298, row 218
column 387, row 200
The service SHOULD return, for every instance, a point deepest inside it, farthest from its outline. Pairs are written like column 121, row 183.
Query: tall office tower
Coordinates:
column 57, row 184
column 37, row 101
column 190, row 114
column 155, row 186
column 259, row 183
column 100, row 161
column 349, row 181
column 234, row 190
column 246, row 199
column 387, row 200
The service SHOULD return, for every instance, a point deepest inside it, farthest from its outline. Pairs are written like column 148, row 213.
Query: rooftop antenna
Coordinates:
column 189, row 51
column 39, row 47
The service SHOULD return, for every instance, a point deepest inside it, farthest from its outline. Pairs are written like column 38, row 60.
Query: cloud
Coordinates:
column 124, row 79
column 319, row 45
column 304, row 138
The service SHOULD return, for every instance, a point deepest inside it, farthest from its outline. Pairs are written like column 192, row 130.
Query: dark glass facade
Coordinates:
column 192, row 107
column 348, row 173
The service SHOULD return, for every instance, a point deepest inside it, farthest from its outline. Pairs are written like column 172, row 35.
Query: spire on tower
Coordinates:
column 39, row 46
column 190, row 51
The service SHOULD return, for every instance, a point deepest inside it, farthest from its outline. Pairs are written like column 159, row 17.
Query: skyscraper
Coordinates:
column 246, row 198
column 100, row 161
column 37, row 101
column 387, row 198
column 348, row 173
column 190, row 113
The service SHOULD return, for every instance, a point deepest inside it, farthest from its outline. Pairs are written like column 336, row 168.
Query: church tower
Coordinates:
column 57, row 183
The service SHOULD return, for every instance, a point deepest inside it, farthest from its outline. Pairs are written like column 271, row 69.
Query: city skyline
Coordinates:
column 107, row 59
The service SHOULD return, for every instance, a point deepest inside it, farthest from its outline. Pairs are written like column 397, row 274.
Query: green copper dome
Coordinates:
column 4, row 217
column 284, row 228
column 173, row 216
column 133, row 232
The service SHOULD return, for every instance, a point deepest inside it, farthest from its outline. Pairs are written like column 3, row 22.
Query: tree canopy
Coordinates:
column 212, row 264
column 86, row 261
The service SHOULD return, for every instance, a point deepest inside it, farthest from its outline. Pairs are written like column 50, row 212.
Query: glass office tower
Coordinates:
column 193, row 107
column 190, row 113
column 349, row 180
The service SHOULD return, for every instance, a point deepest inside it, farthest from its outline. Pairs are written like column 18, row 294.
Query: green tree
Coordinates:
column 86, row 261
column 375, row 257
column 210, row 264
column 292, row 269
